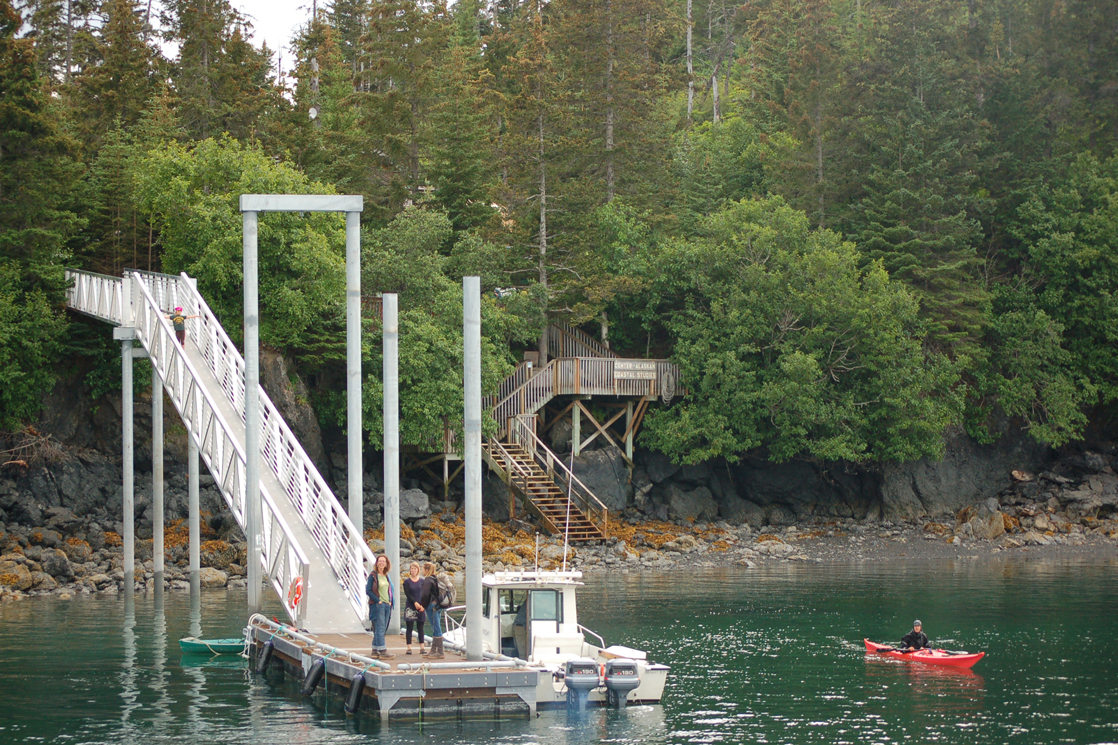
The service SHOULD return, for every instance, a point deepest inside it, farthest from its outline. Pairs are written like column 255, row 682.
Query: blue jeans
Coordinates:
column 434, row 617
column 380, row 614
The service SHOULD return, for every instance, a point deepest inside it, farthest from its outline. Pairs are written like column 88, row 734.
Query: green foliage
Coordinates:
column 193, row 194
column 786, row 344
column 31, row 330
column 1070, row 234
column 406, row 258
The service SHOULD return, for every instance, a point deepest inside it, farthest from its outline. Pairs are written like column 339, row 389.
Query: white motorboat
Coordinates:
column 533, row 616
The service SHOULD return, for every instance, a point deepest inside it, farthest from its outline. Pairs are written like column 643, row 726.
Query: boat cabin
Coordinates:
column 532, row 615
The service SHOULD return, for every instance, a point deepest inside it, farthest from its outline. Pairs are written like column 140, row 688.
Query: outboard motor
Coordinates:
column 622, row 676
column 581, row 676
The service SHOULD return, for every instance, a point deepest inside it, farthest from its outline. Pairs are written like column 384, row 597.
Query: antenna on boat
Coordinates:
column 567, row 526
column 537, row 550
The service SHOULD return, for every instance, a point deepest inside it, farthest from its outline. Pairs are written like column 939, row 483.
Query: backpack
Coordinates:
column 447, row 592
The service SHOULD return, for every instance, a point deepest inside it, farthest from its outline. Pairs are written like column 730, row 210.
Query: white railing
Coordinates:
column 334, row 533
column 96, row 295
column 282, row 558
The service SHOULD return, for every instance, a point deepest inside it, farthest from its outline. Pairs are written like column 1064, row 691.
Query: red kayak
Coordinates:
column 927, row 656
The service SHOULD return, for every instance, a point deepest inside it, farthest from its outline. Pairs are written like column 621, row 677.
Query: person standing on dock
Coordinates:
column 915, row 639
column 414, row 610
column 430, row 600
column 380, row 591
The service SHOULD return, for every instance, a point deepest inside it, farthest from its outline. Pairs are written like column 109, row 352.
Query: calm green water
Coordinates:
column 769, row 656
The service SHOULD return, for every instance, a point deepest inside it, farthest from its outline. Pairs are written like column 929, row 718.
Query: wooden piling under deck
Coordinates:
column 465, row 691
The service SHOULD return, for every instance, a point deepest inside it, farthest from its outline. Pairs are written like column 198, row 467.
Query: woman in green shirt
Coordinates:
column 381, row 593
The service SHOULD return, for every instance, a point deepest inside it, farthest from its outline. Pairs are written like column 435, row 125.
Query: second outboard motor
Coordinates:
column 622, row 676
column 581, row 676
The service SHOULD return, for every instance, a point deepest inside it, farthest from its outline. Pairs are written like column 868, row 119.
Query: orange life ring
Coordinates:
column 295, row 592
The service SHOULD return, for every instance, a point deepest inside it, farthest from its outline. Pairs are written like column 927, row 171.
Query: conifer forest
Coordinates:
column 856, row 225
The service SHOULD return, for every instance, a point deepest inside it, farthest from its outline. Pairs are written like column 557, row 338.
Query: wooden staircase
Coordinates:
column 542, row 483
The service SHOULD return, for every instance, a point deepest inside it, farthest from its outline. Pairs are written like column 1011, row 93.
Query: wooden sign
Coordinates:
column 634, row 370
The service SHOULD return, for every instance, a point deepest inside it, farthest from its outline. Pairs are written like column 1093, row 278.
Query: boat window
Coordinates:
column 546, row 605
column 485, row 603
column 511, row 600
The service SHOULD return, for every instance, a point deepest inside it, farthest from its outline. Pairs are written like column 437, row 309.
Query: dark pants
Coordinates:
column 181, row 336
column 418, row 624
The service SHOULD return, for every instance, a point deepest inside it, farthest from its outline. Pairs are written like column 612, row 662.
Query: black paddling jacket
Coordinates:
column 915, row 639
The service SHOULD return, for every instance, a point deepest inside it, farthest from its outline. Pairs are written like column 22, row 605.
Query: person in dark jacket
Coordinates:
column 414, row 609
column 915, row 639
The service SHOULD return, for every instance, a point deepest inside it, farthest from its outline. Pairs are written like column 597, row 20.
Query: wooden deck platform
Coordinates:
column 409, row 685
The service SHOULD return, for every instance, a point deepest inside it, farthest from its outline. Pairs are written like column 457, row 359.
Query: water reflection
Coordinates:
column 757, row 656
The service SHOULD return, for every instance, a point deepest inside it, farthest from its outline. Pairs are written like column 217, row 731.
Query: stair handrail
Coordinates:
column 543, row 383
column 582, row 342
column 333, row 531
column 553, row 465
column 282, row 557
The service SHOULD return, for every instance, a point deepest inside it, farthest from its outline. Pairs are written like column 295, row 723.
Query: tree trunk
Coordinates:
column 69, row 39
column 690, row 68
column 714, row 91
column 609, row 101
column 543, row 234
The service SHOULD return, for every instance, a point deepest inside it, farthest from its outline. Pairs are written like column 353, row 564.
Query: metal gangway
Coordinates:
column 311, row 552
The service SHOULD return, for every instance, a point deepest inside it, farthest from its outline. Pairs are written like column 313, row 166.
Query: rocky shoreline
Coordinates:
column 1038, row 517
column 60, row 523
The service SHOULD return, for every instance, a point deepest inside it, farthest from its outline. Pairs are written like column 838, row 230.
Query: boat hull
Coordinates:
column 191, row 645
column 926, row 656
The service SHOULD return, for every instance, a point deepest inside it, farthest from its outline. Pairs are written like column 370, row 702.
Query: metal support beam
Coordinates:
column 192, row 507
column 391, row 418
column 252, row 409
column 471, row 311
column 157, row 476
column 576, row 430
column 355, row 464
column 127, row 458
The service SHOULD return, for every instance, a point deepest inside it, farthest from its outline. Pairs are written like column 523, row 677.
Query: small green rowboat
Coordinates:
column 190, row 645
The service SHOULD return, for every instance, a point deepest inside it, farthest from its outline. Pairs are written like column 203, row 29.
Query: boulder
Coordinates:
column 560, row 436
column 605, row 473
column 413, row 504
column 738, row 511
column 43, row 581
column 15, row 576
column 658, row 466
column 44, row 537
column 56, row 564
column 216, row 555
column 495, row 498
column 210, row 577
column 696, row 504
column 968, row 473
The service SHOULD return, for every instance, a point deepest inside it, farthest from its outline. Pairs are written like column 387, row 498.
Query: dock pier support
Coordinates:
column 471, row 345
column 192, row 509
column 157, row 477
column 128, row 516
column 391, row 419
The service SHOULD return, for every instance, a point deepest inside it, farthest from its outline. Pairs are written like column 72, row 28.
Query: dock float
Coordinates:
column 409, row 686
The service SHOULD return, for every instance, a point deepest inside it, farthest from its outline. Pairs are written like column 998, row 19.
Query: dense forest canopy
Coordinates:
column 854, row 224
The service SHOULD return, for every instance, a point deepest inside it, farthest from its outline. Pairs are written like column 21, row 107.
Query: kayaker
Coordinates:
column 915, row 639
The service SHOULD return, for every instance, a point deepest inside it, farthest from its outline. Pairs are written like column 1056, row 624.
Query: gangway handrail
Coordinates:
column 282, row 558
column 333, row 531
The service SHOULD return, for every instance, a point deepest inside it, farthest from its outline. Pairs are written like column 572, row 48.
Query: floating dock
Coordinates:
column 409, row 686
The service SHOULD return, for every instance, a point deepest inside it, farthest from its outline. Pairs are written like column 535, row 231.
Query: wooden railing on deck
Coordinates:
column 565, row 341
column 588, row 376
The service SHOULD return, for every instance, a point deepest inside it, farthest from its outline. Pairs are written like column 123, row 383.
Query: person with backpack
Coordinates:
column 430, row 600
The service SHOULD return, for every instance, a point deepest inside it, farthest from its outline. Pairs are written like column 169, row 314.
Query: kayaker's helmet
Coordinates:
column 916, row 623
